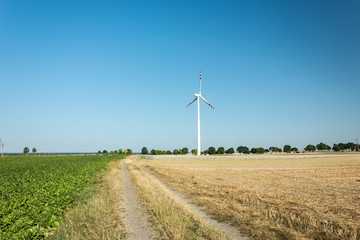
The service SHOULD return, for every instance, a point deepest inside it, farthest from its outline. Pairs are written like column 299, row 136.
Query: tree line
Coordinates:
column 259, row 150
column 181, row 151
column 337, row 147
column 116, row 152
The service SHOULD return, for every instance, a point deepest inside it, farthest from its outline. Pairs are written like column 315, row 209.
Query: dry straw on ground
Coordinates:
column 278, row 198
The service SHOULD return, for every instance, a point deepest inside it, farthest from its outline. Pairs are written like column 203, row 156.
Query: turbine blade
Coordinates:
column 200, row 84
column 206, row 102
column 191, row 102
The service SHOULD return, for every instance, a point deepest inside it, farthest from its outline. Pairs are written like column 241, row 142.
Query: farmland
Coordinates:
column 178, row 197
column 271, row 197
column 36, row 191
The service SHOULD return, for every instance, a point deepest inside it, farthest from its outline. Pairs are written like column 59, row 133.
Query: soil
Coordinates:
column 135, row 218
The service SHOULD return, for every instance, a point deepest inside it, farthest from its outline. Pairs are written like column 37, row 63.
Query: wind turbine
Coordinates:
column 197, row 96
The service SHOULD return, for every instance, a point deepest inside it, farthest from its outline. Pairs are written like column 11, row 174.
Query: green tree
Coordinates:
column 125, row 151
column 129, row 151
column 211, row 150
column 116, row 152
column 105, row 152
column 350, row 146
column 152, row 152
column 144, row 151
column 310, row 148
column 342, row 146
column 194, row 151
column 112, row 152
column 120, row 151
column 26, row 150
column 275, row 149
column 243, row 149
column 34, row 150
column 294, row 149
column 99, row 152
column 260, row 150
column 322, row 146
column 185, row 150
column 176, row 152
column 220, row 150
column 287, row 148
column 336, row 148
column 230, row 151
column 168, row 152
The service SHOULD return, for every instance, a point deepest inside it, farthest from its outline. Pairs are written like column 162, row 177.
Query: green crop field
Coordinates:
column 36, row 191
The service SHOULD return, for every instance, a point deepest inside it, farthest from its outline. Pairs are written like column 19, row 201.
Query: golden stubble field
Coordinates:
column 271, row 196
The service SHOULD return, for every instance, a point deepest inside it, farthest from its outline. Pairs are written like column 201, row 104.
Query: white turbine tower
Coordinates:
column 197, row 96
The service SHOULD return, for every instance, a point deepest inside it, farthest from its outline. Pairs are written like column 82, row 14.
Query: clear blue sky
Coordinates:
column 87, row 75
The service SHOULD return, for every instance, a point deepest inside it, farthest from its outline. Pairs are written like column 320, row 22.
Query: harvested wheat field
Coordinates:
column 271, row 197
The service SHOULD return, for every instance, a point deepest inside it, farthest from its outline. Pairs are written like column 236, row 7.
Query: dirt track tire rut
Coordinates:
column 136, row 220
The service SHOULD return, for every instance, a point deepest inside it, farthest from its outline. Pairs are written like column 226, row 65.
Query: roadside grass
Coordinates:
column 171, row 218
column 97, row 214
column 305, row 203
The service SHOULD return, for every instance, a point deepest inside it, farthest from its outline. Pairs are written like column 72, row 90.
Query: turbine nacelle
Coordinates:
column 197, row 95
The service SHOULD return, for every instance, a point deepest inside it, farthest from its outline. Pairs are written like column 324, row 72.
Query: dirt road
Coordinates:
column 135, row 218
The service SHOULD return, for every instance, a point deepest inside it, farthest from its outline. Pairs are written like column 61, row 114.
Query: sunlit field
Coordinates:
column 271, row 197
